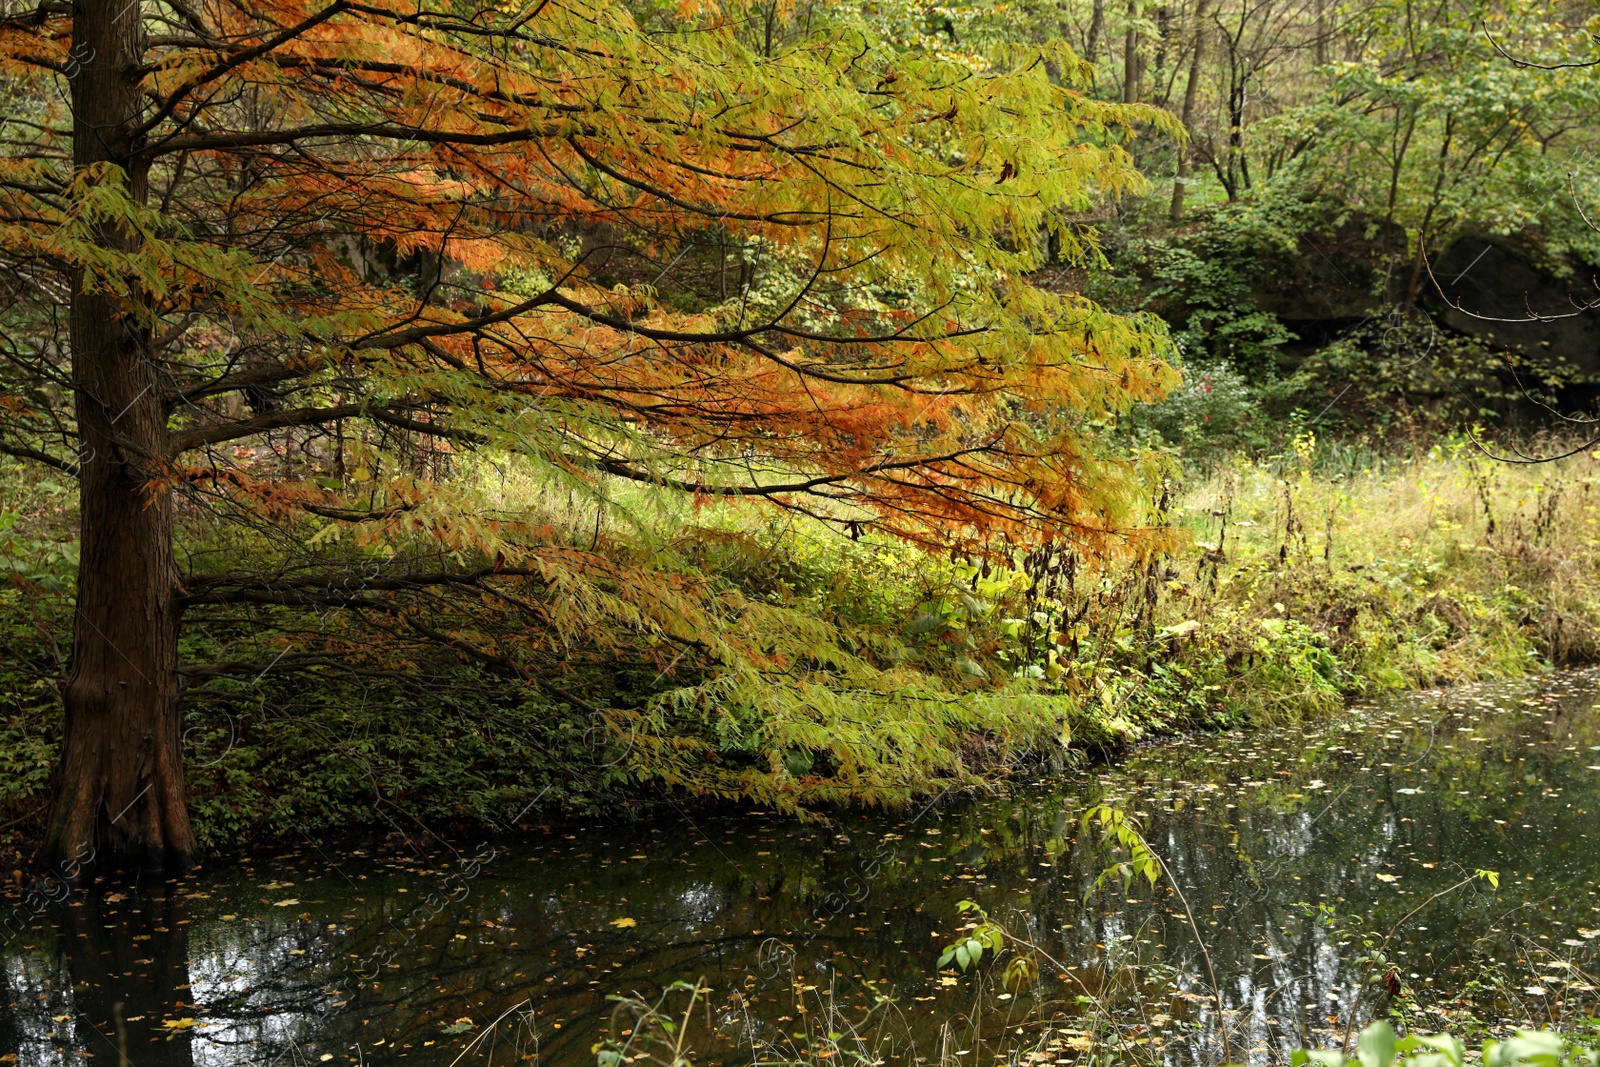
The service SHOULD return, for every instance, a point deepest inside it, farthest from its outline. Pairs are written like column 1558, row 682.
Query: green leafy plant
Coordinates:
column 986, row 936
column 1119, row 829
column 1379, row 1047
column 645, row 1031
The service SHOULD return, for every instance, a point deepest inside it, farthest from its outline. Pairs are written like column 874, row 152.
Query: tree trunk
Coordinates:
column 1238, row 162
column 1163, row 89
column 1190, row 92
column 1097, row 22
column 1130, row 57
column 119, row 788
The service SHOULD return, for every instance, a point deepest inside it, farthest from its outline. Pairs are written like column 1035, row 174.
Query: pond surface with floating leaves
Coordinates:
column 1290, row 847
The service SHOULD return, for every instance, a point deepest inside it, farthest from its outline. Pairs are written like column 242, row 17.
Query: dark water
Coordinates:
column 1286, row 846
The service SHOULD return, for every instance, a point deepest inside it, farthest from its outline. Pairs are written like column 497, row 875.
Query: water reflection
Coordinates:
column 1287, row 849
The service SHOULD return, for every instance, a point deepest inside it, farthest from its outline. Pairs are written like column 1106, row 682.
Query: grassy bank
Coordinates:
column 782, row 665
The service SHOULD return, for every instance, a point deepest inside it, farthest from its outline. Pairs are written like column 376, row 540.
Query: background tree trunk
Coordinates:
column 1190, row 92
column 119, row 788
column 1130, row 57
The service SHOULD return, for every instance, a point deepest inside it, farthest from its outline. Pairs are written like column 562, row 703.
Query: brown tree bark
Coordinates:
column 1190, row 92
column 1130, row 57
column 119, row 787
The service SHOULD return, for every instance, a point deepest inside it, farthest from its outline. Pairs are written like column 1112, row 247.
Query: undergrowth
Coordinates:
column 797, row 669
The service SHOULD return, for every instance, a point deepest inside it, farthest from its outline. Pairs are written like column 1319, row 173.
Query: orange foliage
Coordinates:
column 470, row 228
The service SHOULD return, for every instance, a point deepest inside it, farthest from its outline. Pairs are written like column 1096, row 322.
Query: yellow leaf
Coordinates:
column 624, row 923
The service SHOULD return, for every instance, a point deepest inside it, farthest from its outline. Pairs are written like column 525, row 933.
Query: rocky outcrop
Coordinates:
column 1333, row 278
column 1493, row 289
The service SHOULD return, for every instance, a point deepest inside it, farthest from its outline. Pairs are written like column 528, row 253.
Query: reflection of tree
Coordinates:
column 1252, row 868
column 129, row 963
column 10, row 1015
column 861, row 908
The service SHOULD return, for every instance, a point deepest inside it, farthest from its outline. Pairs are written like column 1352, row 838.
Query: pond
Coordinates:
column 1288, row 846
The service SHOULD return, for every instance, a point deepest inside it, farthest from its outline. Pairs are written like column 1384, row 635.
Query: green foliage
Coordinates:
column 858, row 672
column 1202, row 280
column 1119, row 829
column 1201, row 283
column 326, row 754
column 1379, row 1047
column 1438, row 130
column 38, row 561
column 1214, row 412
column 986, row 935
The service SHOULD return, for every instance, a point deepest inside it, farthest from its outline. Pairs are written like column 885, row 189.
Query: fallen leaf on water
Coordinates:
column 1385, row 877
column 285, row 903
column 624, row 923
column 180, row 1024
column 1535, row 990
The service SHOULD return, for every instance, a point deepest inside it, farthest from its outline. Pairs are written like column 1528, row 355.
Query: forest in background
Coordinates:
column 1317, row 246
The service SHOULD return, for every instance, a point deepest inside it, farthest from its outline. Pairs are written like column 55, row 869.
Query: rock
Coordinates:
column 1333, row 278
column 1495, row 278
